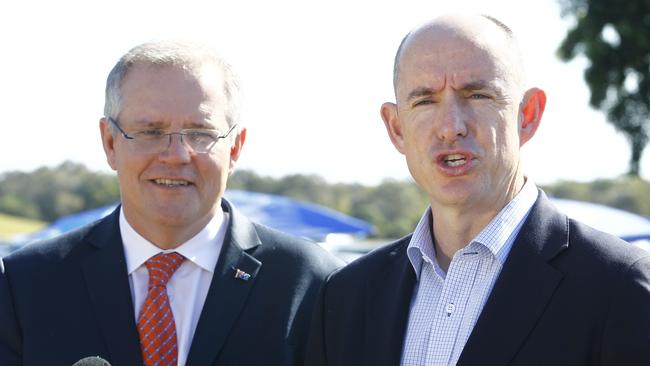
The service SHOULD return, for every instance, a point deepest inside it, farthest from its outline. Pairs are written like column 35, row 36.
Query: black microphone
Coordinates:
column 92, row 361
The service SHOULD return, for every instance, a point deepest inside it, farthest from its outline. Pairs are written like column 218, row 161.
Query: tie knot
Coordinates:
column 162, row 266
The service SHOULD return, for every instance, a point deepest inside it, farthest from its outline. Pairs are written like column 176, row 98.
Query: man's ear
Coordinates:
column 393, row 125
column 530, row 114
column 235, row 149
column 108, row 141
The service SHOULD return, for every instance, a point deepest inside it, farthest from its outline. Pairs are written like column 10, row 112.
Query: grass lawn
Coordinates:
column 12, row 225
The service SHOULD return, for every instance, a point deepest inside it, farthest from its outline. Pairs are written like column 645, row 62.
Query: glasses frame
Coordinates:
column 180, row 133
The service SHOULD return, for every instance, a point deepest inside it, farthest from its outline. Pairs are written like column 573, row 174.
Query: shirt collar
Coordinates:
column 421, row 244
column 507, row 222
column 203, row 249
column 497, row 236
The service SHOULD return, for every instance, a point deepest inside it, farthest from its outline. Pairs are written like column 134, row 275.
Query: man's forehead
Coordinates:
column 143, row 77
column 449, row 56
column 451, row 53
column 449, row 66
column 481, row 38
column 163, row 93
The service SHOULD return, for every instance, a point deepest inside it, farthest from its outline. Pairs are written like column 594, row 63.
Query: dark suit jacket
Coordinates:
column 567, row 295
column 69, row 298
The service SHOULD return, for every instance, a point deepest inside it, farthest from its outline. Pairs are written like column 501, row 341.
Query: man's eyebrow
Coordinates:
column 423, row 91
column 476, row 85
column 144, row 123
column 158, row 124
column 199, row 125
column 420, row 92
column 482, row 85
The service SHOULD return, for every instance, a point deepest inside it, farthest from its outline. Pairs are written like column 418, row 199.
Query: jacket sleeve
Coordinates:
column 10, row 335
column 316, row 342
column 626, row 339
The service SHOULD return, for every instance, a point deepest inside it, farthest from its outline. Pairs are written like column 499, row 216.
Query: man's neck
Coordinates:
column 170, row 237
column 452, row 231
column 455, row 226
column 166, row 236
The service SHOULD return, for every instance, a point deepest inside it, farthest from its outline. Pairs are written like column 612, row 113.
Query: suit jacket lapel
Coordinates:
column 389, row 298
column 233, row 279
column 108, row 286
column 523, row 289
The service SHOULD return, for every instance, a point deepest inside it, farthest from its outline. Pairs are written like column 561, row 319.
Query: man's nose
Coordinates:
column 177, row 150
column 452, row 120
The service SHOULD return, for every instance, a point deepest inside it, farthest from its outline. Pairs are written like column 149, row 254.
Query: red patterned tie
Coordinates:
column 156, row 321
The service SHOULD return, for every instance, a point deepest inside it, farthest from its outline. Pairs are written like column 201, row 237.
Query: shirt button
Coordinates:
column 450, row 309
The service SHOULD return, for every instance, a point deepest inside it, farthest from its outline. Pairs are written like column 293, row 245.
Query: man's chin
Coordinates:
column 176, row 216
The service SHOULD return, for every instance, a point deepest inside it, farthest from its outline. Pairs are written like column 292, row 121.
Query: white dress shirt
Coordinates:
column 188, row 287
column 445, row 306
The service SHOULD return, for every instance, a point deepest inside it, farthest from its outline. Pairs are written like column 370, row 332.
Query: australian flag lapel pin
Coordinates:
column 241, row 275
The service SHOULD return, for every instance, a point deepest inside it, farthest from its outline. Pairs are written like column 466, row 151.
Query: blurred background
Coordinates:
column 314, row 74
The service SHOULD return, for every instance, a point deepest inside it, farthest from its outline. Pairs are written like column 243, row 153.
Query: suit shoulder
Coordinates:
column 603, row 247
column 601, row 258
column 299, row 251
column 375, row 261
column 39, row 253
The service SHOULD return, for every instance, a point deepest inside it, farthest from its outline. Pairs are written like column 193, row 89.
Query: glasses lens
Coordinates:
column 199, row 141
column 155, row 141
column 150, row 141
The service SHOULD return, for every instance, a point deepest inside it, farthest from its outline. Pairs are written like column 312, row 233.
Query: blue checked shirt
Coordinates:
column 446, row 306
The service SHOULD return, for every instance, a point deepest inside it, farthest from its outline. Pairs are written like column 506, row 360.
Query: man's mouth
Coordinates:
column 171, row 182
column 454, row 160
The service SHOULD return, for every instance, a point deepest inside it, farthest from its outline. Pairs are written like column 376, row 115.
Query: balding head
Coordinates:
column 482, row 31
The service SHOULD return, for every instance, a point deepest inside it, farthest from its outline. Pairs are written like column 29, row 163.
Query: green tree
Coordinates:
column 394, row 207
column 48, row 193
column 247, row 180
column 614, row 36
column 627, row 193
column 17, row 206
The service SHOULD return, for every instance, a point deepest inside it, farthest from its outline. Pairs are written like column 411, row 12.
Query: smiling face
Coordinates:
column 457, row 118
column 169, row 196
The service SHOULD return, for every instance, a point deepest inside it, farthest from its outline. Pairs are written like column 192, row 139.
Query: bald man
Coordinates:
column 493, row 274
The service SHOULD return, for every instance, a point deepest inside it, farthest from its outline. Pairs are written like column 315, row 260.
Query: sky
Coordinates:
column 313, row 75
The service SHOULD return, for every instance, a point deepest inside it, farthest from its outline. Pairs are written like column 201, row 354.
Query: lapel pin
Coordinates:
column 241, row 275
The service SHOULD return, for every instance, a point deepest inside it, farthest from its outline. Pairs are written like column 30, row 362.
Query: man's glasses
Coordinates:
column 157, row 140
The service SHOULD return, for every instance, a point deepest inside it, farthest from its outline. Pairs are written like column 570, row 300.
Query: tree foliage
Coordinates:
column 614, row 37
column 627, row 193
column 393, row 206
column 48, row 193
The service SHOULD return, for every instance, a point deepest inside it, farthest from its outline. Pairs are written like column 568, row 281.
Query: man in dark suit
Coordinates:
column 493, row 274
column 175, row 276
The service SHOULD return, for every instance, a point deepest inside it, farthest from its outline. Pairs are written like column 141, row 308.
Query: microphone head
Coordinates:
column 92, row 361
